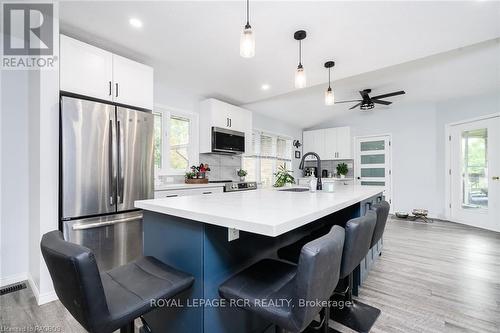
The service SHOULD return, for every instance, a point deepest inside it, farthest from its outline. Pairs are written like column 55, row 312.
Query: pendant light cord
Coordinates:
column 329, row 80
column 300, row 52
column 248, row 10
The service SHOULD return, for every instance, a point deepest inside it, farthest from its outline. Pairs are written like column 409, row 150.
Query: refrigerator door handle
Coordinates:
column 111, row 162
column 121, row 177
column 103, row 224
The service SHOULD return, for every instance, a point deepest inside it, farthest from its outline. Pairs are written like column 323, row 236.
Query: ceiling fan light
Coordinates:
column 247, row 42
column 329, row 97
column 367, row 106
column 300, row 77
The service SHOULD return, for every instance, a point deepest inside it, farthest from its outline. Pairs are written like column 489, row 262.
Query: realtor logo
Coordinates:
column 28, row 40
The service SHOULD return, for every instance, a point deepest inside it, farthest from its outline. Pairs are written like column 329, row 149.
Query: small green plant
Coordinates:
column 242, row 173
column 190, row 175
column 342, row 169
column 283, row 177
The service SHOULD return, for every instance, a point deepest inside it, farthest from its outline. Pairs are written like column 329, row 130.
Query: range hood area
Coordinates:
column 224, row 128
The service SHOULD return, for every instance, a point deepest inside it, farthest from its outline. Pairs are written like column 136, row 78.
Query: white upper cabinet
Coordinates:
column 329, row 143
column 215, row 113
column 90, row 71
column 133, row 82
column 85, row 69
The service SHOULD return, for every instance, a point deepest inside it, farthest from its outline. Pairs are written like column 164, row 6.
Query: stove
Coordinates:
column 230, row 186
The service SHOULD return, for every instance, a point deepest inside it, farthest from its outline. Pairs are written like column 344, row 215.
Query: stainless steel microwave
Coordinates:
column 227, row 141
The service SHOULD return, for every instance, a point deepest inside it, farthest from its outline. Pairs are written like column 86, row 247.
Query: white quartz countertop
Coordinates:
column 184, row 186
column 264, row 211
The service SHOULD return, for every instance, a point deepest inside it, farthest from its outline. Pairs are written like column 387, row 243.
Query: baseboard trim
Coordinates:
column 41, row 298
column 5, row 281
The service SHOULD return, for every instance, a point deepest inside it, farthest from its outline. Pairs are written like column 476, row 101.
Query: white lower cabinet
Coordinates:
column 186, row 192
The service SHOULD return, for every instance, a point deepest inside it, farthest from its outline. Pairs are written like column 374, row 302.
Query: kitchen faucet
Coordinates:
column 318, row 167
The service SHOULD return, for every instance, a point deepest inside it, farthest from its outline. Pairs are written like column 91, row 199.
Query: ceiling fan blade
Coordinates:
column 401, row 92
column 355, row 106
column 381, row 102
column 356, row 100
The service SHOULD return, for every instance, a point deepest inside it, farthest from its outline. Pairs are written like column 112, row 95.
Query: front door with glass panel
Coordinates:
column 373, row 161
column 475, row 172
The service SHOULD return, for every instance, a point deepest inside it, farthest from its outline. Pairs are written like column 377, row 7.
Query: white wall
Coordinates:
column 14, row 177
column 417, row 144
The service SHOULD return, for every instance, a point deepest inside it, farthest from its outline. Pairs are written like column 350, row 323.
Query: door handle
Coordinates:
column 121, row 177
column 116, row 89
column 495, row 178
column 111, row 164
column 103, row 224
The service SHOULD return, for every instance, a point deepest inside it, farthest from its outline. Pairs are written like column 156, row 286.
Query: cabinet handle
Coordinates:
column 207, row 192
column 230, row 122
column 171, row 196
column 110, row 92
column 227, row 122
column 116, row 86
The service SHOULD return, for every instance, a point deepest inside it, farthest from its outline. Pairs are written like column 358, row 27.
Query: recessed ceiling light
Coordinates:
column 265, row 87
column 136, row 23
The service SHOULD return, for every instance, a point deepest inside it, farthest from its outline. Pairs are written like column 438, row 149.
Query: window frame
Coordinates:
column 167, row 113
column 256, row 156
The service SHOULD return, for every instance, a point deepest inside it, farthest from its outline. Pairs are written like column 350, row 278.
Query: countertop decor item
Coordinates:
column 342, row 170
column 197, row 174
column 283, row 177
column 242, row 174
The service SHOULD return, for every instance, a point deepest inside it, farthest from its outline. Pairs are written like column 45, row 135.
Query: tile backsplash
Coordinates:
column 222, row 167
column 331, row 166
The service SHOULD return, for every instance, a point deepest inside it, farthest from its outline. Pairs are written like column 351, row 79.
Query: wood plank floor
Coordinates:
column 437, row 277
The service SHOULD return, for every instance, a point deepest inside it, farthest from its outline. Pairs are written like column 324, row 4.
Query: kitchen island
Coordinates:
column 213, row 237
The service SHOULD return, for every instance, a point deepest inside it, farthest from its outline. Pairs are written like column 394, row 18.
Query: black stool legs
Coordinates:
column 358, row 316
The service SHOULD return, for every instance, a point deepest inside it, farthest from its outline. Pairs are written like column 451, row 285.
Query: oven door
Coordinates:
column 227, row 141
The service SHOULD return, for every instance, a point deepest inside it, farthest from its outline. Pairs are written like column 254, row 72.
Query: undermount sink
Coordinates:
column 295, row 189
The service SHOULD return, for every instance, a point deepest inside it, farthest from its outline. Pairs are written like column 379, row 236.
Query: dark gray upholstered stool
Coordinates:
column 313, row 279
column 105, row 302
column 360, row 317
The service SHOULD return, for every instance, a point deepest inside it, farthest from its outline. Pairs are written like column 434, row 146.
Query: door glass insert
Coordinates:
column 372, row 145
column 475, row 169
column 373, row 159
column 372, row 172
column 373, row 183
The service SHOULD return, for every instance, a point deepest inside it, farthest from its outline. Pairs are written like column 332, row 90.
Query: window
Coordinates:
column 174, row 135
column 268, row 153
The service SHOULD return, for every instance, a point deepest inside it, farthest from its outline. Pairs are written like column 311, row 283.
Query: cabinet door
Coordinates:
column 85, row 69
column 319, row 143
column 307, row 142
column 344, row 143
column 330, row 144
column 133, row 83
column 220, row 114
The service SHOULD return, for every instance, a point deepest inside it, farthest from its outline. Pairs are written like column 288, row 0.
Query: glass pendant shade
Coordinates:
column 300, row 77
column 329, row 97
column 247, row 43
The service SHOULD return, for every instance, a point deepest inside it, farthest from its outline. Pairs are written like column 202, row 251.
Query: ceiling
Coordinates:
column 194, row 46
column 465, row 72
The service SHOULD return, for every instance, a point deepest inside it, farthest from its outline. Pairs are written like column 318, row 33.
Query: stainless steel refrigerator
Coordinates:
column 106, row 163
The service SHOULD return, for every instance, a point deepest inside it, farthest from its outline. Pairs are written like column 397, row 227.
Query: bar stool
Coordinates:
column 313, row 279
column 360, row 317
column 105, row 302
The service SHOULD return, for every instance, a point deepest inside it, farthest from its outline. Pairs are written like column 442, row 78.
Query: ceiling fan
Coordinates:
column 368, row 103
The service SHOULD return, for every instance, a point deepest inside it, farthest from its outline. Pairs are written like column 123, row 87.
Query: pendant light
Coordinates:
column 300, row 73
column 329, row 96
column 247, row 40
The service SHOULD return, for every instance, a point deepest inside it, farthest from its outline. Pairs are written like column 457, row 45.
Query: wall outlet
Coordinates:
column 232, row 234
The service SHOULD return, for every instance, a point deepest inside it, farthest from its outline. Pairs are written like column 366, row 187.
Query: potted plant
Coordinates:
column 283, row 177
column 342, row 170
column 242, row 174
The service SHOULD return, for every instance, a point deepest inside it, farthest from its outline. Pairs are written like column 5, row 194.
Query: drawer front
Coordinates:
column 184, row 192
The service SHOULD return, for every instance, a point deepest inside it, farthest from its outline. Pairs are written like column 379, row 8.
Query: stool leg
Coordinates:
column 359, row 317
column 129, row 328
